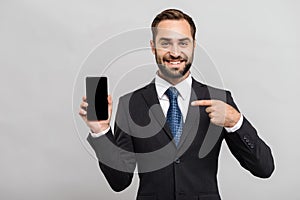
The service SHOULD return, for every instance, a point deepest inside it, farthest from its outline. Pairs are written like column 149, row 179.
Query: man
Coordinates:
column 173, row 128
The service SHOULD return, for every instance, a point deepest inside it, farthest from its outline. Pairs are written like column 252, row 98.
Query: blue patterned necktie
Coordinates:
column 174, row 116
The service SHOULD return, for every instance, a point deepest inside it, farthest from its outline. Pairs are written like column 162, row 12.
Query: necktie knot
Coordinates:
column 172, row 93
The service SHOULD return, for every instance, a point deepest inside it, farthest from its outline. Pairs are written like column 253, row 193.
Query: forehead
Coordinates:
column 174, row 29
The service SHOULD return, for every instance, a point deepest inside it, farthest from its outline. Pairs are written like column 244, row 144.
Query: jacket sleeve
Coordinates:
column 249, row 149
column 115, row 154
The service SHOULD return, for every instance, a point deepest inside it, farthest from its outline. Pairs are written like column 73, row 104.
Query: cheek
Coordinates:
column 161, row 53
column 188, row 52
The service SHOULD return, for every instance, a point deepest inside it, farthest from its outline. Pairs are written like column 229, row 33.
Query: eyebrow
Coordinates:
column 169, row 39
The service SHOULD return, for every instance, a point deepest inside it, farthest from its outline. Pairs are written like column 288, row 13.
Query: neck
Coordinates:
column 173, row 81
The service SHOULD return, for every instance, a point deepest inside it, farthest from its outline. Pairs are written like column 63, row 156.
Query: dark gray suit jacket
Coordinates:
column 189, row 171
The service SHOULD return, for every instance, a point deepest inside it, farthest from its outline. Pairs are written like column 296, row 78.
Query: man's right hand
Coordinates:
column 95, row 126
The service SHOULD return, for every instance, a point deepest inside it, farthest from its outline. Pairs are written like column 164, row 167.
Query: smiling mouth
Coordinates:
column 174, row 62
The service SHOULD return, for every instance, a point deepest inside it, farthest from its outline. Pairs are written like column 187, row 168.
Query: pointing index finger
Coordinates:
column 202, row 103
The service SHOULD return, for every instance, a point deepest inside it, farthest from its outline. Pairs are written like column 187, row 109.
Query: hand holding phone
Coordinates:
column 95, row 122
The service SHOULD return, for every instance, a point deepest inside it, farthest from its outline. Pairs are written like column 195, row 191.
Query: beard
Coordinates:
column 173, row 73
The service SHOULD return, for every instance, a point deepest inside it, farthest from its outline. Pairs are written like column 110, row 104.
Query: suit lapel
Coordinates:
column 151, row 98
column 193, row 115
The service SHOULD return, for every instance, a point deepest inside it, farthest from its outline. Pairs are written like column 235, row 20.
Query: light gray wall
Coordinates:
column 43, row 46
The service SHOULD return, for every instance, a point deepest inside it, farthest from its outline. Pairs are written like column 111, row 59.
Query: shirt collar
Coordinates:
column 183, row 87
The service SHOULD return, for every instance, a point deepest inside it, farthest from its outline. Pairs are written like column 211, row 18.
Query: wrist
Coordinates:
column 231, row 122
column 235, row 120
column 100, row 128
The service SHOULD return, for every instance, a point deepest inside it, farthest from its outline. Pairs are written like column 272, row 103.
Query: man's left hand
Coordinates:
column 220, row 113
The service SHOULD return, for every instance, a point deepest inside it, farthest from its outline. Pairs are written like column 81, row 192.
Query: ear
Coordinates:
column 152, row 46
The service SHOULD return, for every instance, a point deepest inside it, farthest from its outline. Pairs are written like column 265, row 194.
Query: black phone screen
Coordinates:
column 96, row 96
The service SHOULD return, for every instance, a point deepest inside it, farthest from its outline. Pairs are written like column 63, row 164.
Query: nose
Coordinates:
column 175, row 51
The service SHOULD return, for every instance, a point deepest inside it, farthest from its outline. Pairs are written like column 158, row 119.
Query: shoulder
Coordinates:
column 211, row 91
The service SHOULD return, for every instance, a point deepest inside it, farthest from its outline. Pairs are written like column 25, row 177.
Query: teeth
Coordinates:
column 175, row 63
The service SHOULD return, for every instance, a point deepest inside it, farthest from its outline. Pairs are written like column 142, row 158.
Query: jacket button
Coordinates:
column 177, row 161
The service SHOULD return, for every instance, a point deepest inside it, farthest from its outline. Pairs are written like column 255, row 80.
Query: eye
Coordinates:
column 165, row 44
column 183, row 44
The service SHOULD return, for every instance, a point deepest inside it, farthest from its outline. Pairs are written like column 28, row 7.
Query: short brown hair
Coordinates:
column 172, row 14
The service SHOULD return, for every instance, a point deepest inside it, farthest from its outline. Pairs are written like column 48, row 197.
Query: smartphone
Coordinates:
column 96, row 97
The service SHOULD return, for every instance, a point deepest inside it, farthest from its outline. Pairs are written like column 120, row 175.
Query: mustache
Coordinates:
column 178, row 58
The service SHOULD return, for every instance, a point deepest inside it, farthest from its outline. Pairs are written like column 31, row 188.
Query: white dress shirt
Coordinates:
column 184, row 88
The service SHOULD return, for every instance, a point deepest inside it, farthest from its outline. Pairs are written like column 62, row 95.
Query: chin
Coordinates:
column 174, row 73
column 171, row 73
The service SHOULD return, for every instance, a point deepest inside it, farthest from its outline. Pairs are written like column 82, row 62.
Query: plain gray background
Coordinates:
column 254, row 44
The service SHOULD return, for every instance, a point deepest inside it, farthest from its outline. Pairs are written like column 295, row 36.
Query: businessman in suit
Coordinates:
column 172, row 129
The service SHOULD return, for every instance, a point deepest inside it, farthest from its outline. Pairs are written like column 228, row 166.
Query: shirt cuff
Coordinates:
column 237, row 126
column 96, row 135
